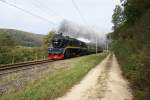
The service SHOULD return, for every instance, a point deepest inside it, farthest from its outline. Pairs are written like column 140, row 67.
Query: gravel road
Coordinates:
column 104, row 82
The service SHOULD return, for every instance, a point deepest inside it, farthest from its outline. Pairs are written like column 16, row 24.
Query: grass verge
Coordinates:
column 57, row 84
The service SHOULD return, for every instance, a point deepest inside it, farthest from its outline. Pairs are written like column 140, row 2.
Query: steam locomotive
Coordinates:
column 67, row 47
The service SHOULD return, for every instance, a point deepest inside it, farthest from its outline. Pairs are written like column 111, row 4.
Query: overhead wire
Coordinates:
column 81, row 15
column 43, row 18
column 83, row 19
column 47, row 9
column 79, row 12
column 28, row 12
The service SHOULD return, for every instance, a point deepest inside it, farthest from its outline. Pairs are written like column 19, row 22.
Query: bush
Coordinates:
column 22, row 54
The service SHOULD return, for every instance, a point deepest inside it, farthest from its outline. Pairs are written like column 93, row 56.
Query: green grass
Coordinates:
column 58, row 83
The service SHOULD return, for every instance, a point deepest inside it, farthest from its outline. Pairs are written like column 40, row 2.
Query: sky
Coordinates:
column 48, row 14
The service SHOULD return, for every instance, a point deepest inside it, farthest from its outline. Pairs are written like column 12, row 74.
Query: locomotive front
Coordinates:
column 57, row 49
column 58, row 41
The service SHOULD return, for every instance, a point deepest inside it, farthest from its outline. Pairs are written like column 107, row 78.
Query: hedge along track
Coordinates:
column 11, row 68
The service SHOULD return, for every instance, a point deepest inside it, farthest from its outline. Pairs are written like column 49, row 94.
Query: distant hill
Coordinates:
column 24, row 38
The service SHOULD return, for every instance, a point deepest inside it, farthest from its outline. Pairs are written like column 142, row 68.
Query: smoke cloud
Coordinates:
column 82, row 33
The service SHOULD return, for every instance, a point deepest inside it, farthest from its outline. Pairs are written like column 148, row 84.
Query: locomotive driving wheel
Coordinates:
column 67, row 54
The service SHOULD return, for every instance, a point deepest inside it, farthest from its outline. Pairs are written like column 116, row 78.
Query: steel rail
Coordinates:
column 10, row 68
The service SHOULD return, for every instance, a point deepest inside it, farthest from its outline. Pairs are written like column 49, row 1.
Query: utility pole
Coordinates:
column 107, row 43
column 96, row 45
column 13, row 59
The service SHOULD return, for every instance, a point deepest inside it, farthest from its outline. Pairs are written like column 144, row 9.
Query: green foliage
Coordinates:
column 131, row 14
column 134, row 9
column 21, row 54
column 6, row 44
column 6, row 40
column 131, row 44
column 117, row 18
column 135, row 65
column 48, row 39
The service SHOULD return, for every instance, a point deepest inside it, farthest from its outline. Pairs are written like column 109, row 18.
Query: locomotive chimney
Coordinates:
column 61, row 33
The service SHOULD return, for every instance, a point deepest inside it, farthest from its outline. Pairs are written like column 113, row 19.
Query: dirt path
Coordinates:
column 118, row 87
column 104, row 82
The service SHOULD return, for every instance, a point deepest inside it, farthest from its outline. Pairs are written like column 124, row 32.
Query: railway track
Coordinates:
column 11, row 68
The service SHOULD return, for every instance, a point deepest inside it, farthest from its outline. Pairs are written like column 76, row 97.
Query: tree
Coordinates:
column 134, row 9
column 117, row 17
column 6, row 45
column 48, row 39
column 6, row 40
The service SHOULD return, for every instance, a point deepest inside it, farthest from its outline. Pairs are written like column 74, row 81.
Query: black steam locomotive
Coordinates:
column 66, row 47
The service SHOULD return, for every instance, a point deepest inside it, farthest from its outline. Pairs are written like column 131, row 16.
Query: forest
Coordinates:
column 131, row 44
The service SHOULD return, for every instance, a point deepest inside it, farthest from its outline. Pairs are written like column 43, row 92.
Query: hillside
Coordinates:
column 23, row 38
